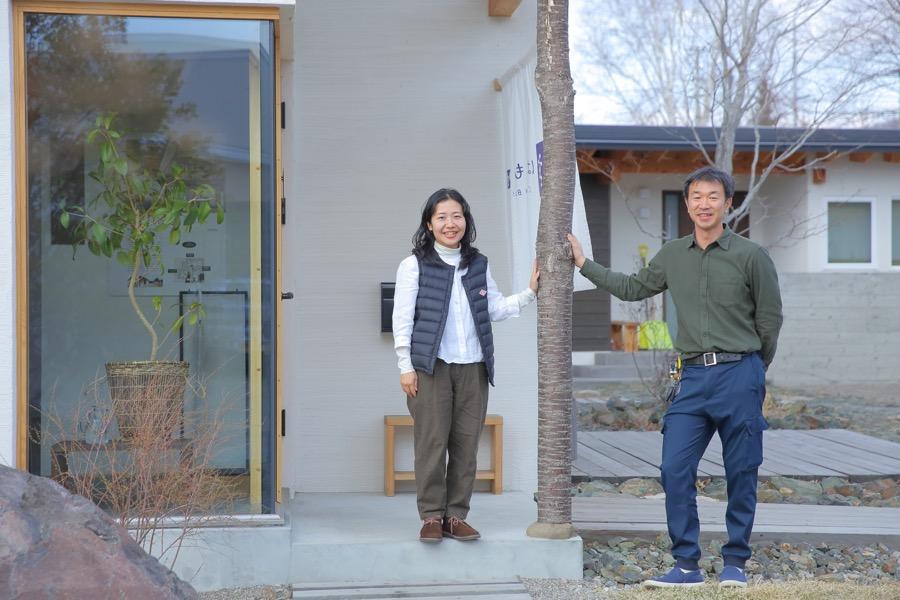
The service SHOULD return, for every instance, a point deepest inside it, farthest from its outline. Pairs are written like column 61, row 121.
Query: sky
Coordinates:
column 591, row 109
column 597, row 109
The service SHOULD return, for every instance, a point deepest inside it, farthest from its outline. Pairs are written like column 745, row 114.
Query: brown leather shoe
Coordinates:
column 431, row 530
column 458, row 529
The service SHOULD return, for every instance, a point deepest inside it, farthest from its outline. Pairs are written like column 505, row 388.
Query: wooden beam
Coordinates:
column 588, row 163
column 819, row 175
column 656, row 161
column 502, row 8
column 892, row 157
column 860, row 157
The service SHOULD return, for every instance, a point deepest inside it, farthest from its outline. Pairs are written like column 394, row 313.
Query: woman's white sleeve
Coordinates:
column 406, row 289
column 502, row 307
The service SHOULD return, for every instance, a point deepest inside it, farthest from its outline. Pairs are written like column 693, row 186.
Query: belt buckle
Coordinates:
column 707, row 362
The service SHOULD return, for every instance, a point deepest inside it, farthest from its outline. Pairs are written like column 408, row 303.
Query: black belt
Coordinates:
column 709, row 359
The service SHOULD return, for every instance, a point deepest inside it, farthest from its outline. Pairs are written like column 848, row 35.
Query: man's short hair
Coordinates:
column 711, row 174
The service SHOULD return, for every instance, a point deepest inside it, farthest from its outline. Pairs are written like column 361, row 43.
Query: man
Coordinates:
column 729, row 314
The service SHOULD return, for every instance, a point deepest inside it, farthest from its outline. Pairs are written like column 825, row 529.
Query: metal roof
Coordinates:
column 649, row 137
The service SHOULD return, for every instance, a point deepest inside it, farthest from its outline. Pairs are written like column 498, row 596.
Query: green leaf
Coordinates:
column 205, row 209
column 105, row 152
column 91, row 135
column 192, row 319
column 64, row 220
column 94, row 247
column 157, row 303
column 174, row 236
column 121, row 166
column 220, row 214
column 177, row 324
column 124, row 259
column 98, row 233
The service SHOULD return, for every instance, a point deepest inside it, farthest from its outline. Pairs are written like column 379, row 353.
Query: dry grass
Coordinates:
column 160, row 485
column 798, row 590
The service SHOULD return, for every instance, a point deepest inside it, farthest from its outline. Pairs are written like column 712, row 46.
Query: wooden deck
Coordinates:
column 605, row 516
column 619, row 455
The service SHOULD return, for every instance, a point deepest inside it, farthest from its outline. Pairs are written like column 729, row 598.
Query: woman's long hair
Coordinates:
column 423, row 238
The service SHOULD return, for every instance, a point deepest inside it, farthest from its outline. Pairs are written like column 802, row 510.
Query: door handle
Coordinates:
column 287, row 295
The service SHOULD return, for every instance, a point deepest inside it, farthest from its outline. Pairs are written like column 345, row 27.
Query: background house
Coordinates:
column 832, row 228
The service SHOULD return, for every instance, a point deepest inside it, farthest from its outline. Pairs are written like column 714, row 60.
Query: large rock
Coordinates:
column 59, row 546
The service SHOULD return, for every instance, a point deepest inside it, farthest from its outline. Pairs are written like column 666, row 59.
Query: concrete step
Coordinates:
column 610, row 372
column 371, row 539
column 592, row 383
column 614, row 367
column 491, row 590
column 644, row 357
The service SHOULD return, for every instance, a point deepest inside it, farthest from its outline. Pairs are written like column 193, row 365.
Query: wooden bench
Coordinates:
column 624, row 335
column 391, row 476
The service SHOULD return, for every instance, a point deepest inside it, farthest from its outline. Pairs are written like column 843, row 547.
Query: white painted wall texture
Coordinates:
column 779, row 221
column 8, row 244
column 388, row 102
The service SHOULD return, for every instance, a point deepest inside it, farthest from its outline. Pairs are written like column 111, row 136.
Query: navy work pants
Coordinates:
column 726, row 398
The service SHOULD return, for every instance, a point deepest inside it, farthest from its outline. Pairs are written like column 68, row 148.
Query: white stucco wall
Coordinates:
column 7, row 243
column 388, row 101
column 779, row 221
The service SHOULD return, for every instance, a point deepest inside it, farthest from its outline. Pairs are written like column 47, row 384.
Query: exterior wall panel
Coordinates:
column 838, row 328
column 389, row 101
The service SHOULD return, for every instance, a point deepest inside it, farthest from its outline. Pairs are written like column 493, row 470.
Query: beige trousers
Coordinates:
column 448, row 413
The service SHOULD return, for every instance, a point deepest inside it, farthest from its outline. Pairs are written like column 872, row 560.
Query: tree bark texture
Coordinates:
column 555, row 89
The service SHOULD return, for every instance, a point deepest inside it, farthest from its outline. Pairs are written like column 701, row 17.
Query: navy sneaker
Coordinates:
column 675, row 578
column 732, row 576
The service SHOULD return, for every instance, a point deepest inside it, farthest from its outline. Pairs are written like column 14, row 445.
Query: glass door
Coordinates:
column 150, row 197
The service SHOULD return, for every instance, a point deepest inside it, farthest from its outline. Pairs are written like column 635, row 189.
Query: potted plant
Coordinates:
column 135, row 212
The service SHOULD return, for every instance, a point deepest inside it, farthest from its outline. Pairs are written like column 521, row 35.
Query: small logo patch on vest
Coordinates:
column 482, row 292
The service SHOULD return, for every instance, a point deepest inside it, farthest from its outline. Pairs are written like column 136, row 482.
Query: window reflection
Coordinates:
column 197, row 93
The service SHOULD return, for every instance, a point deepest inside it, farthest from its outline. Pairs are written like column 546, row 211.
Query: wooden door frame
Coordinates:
column 20, row 126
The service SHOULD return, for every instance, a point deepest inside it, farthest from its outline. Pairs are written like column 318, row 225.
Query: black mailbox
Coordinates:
column 387, row 305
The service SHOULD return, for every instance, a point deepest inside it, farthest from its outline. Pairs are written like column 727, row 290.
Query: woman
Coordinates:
column 444, row 302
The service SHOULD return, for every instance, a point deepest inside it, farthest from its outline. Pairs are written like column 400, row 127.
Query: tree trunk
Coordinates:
column 554, row 85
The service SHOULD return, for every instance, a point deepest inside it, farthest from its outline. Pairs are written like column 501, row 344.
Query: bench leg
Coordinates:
column 389, row 460
column 497, row 459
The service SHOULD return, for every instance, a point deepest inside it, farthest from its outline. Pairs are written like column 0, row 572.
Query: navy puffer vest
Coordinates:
column 433, row 306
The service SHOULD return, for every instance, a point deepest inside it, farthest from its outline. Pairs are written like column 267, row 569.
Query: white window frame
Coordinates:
column 873, row 242
column 890, row 249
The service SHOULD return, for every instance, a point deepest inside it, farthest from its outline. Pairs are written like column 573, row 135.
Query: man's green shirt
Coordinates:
column 727, row 295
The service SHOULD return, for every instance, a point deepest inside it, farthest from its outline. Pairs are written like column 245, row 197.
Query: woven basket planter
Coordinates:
column 147, row 397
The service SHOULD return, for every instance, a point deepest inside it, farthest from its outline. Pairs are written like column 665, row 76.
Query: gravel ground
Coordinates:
column 260, row 592
column 872, row 409
column 555, row 589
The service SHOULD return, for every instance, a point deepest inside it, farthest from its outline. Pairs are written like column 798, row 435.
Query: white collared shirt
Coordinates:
column 459, row 343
